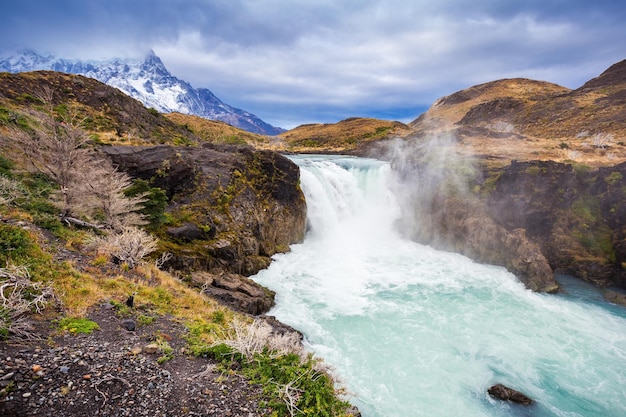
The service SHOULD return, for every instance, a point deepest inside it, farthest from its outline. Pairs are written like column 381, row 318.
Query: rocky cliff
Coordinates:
column 533, row 217
column 525, row 174
column 231, row 208
column 575, row 214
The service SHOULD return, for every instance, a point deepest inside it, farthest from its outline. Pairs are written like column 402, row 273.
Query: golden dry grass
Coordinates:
column 343, row 136
column 214, row 131
column 552, row 123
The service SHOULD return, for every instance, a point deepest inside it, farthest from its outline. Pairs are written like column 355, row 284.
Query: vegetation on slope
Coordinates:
column 69, row 243
column 106, row 114
column 347, row 136
column 521, row 119
column 215, row 131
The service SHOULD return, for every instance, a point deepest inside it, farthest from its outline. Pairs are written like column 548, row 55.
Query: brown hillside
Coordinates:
column 524, row 119
column 351, row 135
column 214, row 131
column 493, row 97
column 109, row 115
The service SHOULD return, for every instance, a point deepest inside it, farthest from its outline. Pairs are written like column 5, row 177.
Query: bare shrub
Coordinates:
column 163, row 259
column 502, row 126
column 10, row 190
column 573, row 155
column 257, row 337
column 303, row 373
column 19, row 296
column 129, row 246
column 103, row 193
column 601, row 140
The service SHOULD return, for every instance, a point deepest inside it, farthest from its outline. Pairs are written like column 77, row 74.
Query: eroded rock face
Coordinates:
column 463, row 226
column 234, row 290
column 230, row 208
column 534, row 218
column 577, row 217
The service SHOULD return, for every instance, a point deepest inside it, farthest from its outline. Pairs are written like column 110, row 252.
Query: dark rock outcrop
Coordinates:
column 504, row 393
column 615, row 297
column 230, row 208
column 533, row 217
column 576, row 216
column 234, row 290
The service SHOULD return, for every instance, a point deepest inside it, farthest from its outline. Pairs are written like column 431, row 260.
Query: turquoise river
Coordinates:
column 412, row 331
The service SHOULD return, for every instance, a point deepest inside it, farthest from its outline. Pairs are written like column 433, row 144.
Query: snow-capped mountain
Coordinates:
column 148, row 81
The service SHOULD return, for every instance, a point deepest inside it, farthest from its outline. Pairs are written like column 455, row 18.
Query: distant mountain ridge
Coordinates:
column 148, row 81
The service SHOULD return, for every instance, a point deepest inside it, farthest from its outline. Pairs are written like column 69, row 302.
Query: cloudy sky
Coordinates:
column 303, row 61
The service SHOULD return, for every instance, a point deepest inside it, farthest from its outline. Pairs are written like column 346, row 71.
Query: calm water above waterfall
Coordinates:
column 412, row 331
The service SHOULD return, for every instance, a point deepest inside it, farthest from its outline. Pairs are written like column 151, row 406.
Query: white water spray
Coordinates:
column 417, row 332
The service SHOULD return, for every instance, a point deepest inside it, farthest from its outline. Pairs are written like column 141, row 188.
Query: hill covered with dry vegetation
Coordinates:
column 521, row 119
column 128, row 259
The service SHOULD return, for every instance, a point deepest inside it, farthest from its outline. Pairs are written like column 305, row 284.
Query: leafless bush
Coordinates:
column 291, row 396
column 502, row 126
column 573, row 155
column 254, row 338
column 162, row 260
column 10, row 190
column 129, row 246
column 19, row 296
column 103, row 192
column 601, row 140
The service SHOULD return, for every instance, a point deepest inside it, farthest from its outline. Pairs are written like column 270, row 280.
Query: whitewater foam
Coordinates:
column 413, row 331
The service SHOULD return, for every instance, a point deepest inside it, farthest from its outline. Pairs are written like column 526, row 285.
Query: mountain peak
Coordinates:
column 152, row 58
column 148, row 81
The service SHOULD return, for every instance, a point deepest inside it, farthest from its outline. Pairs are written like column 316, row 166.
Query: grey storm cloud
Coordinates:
column 303, row 61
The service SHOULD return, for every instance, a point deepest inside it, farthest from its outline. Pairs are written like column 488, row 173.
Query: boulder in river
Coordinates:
column 502, row 392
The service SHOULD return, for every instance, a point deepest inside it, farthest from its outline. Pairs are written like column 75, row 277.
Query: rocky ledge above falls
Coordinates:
column 535, row 218
column 576, row 214
column 230, row 209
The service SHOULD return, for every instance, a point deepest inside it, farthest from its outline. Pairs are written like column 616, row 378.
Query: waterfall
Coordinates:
column 412, row 331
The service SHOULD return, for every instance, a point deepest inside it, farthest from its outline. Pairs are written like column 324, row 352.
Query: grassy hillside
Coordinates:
column 105, row 113
column 75, row 235
column 520, row 119
column 348, row 135
column 214, row 131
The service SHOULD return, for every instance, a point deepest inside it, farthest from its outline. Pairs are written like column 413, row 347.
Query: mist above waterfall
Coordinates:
column 428, row 173
column 440, row 189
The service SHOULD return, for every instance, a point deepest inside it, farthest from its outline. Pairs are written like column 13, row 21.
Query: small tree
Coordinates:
column 89, row 185
column 103, row 189
column 56, row 149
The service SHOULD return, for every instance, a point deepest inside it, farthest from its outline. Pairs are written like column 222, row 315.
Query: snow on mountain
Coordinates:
column 148, row 81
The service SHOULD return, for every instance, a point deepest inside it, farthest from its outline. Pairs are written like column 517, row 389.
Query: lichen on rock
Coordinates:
column 230, row 207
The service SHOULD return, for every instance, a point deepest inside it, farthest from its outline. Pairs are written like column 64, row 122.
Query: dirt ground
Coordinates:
column 112, row 372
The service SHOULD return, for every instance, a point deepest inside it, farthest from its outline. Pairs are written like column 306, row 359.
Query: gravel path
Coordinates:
column 112, row 372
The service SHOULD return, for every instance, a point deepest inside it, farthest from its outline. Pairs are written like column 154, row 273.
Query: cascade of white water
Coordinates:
column 417, row 332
